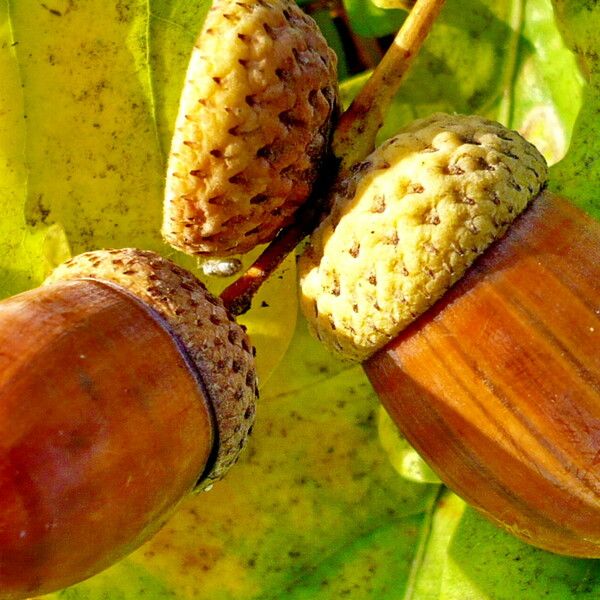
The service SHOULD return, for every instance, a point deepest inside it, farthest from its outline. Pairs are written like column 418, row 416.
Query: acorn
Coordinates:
column 124, row 385
column 472, row 297
column 253, row 127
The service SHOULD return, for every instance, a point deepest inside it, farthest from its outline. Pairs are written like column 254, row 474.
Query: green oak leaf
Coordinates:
column 504, row 60
column 314, row 510
column 577, row 176
column 28, row 253
column 404, row 458
column 369, row 20
column 405, row 4
column 485, row 565
column 465, row 557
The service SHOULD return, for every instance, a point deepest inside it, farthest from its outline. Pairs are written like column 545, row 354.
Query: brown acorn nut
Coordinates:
column 254, row 122
column 124, row 385
column 498, row 384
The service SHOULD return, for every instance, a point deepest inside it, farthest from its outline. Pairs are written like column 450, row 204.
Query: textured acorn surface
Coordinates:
column 104, row 429
column 253, row 124
column 407, row 222
column 498, row 385
column 218, row 346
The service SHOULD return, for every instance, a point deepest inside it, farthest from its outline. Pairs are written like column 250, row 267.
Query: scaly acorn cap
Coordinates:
column 254, row 123
column 217, row 345
column 407, row 222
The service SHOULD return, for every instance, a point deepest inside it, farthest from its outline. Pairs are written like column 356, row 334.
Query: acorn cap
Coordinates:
column 407, row 222
column 218, row 347
column 254, row 123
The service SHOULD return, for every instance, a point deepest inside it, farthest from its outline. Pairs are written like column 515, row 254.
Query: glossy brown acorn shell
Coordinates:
column 498, row 385
column 103, row 428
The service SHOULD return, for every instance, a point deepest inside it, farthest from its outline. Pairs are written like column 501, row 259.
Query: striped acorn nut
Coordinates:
column 124, row 385
column 496, row 381
column 254, row 124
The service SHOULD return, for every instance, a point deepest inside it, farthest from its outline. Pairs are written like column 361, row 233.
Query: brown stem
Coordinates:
column 237, row 297
column 354, row 137
column 353, row 140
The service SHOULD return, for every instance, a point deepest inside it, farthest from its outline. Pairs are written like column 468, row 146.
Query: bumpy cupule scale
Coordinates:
column 407, row 222
column 254, row 123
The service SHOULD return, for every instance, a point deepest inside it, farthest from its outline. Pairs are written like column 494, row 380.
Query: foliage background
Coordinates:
column 315, row 509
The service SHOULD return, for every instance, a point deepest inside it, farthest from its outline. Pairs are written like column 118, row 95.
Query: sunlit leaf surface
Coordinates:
column 315, row 509
column 89, row 96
